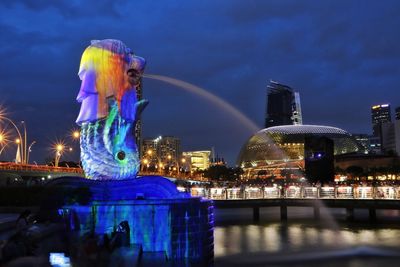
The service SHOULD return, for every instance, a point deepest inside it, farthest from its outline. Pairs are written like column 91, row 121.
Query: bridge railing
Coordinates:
column 302, row 192
column 8, row 166
column 272, row 192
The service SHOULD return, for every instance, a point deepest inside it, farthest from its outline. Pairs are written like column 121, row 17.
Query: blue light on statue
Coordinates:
column 110, row 75
column 157, row 216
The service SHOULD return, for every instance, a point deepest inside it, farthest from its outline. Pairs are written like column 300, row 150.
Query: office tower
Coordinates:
column 283, row 106
column 397, row 131
column 380, row 114
column 388, row 137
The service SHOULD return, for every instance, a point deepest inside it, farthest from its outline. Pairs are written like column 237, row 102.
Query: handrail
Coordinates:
column 359, row 192
column 9, row 166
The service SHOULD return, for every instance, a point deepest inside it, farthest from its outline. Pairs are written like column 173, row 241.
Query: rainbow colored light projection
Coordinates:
column 110, row 74
column 158, row 217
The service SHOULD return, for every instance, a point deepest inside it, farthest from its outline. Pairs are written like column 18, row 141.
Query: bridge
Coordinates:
column 349, row 198
column 338, row 196
column 13, row 172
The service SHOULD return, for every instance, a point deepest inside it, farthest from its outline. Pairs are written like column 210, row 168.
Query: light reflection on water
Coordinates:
column 235, row 233
column 294, row 237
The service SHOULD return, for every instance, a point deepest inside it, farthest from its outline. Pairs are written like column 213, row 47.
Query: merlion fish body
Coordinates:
column 110, row 75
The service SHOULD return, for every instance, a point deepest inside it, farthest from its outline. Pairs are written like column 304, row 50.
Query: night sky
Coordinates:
column 342, row 56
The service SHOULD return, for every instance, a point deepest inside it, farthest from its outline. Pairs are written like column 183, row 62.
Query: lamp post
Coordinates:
column 29, row 151
column 183, row 160
column 2, row 142
column 169, row 157
column 59, row 149
column 21, row 141
column 24, row 156
column 144, row 163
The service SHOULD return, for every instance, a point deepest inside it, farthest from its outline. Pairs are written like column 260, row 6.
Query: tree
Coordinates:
column 223, row 173
column 355, row 171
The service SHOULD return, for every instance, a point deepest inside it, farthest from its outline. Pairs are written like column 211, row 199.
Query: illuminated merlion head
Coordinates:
column 110, row 75
column 108, row 70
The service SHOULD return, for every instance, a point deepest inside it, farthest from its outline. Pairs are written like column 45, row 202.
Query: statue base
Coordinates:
column 159, row 217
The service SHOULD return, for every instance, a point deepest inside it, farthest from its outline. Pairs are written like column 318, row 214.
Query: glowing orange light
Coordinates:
column 76, row 134
column 17, row 141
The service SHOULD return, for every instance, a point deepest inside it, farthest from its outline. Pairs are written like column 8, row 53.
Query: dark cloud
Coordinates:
column 341, row 55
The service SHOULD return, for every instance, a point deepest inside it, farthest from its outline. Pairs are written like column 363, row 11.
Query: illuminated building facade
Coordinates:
column 364, row 141
column 283, row 106
column 397, row 113
column 279, row 152
column 380, row 114
column 198, row 160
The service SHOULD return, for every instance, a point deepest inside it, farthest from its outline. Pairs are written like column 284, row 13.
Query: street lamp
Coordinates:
column 22, row 143
column 29, row 151
column 3, row 143
column 183, row 160
column 59, row 149
column 145, row 163
column 24, row 157
column 76, row 134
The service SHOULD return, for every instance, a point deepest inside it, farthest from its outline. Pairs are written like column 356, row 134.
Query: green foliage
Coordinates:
column 355, row 170
column 223, row 173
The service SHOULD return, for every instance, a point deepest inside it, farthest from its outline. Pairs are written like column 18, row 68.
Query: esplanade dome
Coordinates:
column 273, row 147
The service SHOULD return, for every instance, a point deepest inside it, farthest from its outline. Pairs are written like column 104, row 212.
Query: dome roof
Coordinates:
column 304, row 129
column 276, row 142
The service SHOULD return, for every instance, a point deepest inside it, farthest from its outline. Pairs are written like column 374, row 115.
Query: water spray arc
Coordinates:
column 209, row 96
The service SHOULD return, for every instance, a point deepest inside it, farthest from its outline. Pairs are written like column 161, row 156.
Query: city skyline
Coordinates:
column 342, row 58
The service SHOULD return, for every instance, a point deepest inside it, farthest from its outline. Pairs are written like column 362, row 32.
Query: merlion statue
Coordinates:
column 110, row 75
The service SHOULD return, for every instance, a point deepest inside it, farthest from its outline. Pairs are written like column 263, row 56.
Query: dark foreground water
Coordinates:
column 303, row 241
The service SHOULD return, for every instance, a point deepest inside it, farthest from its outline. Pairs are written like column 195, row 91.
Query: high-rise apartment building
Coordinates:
column 163, row 149
column 283, row 106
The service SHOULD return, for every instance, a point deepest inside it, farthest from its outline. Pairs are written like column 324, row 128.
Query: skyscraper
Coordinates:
column 398, row 113
column 381, row 125
column 283, row 106
column 380, row 114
